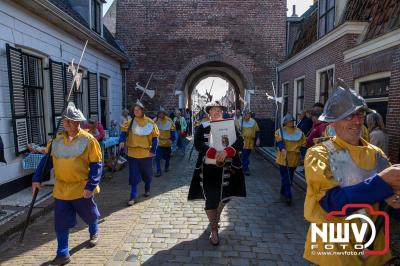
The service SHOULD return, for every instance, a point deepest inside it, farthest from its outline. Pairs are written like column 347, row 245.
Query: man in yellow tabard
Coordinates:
column 290, row 147
column 77, row 161
column 346, row 169
column 250, row 132
column 167, row 136
column 141, row 137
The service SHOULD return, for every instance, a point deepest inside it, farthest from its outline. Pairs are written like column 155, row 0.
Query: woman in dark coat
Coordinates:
column 218, row 182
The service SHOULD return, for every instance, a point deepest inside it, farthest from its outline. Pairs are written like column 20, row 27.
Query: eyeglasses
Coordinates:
column 359, row 115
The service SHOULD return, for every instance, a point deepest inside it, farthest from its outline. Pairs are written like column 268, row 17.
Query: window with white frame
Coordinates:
column 325, row 85
column 377, row 88
column 326, row 17
column 95, row 16
column 299, row 95
column 26, row 96
column 28, row 93
column 374, row 89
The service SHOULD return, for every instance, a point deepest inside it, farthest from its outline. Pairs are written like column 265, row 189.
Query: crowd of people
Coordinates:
column 342, row 144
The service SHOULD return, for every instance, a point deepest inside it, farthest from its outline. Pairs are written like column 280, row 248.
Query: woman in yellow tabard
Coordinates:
column 290, row 147
column 167, row 135
column 77, row 161
column 342, row 170
column 141, row 137
column 250, row 133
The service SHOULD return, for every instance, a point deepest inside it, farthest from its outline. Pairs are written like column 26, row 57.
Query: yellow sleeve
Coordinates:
column 156, row 132
column 277, row 136
column 173, row 128
column 95, row 154
column 257, row 128
column 318, row 174
column 125, row 125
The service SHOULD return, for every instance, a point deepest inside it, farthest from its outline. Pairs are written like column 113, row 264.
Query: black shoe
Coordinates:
column 288, row 201
column 93, row 241
column 147, row 194
column 60, row 260
column 166, row 170
column 131, row 202
column 158, row 174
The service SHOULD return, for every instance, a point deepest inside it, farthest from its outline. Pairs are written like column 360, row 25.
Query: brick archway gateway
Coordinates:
column 213, row 65
column 183, row 41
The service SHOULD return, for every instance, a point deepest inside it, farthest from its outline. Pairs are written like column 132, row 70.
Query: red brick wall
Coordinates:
column 165, row 36
column 326, row 56
column 387, row 60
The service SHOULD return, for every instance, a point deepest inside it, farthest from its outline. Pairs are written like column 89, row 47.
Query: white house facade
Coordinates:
column 38, row 39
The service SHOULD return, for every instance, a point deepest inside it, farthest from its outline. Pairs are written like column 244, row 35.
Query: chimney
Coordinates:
column 294, row 11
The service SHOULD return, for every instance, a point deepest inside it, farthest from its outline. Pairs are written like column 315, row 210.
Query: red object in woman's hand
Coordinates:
column 211, row 152
column 230, row 151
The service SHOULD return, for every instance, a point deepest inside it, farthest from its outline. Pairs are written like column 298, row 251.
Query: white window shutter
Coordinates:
column 57, row 89
column 22, row 134
column 18, row 99
column 93, row 95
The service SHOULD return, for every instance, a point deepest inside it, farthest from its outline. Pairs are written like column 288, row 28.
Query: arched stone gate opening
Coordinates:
column 221, row 66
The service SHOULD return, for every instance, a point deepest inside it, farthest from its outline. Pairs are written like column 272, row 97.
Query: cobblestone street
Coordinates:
column 166, row 229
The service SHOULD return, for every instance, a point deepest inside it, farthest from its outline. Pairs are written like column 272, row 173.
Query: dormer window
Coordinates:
column 326, row 16
column 96, row 16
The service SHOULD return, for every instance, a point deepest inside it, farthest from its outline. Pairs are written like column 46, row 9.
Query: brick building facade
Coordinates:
column 183, row 42
column 361, row 45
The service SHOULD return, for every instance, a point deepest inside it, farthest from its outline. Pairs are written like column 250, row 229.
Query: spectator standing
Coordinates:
column 377, row 133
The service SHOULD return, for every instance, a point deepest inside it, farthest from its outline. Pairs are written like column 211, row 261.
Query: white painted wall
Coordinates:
column 20, row 28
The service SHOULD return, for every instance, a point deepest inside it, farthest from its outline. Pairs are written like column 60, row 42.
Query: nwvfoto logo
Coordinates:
column 339, row 233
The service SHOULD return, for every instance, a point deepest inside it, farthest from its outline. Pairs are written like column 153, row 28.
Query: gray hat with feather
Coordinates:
column 73, row 113
column 287, row 118
column 138, row 103
column 162, row 110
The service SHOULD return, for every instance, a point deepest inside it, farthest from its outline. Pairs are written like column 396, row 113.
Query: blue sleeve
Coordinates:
column 280, row 144
column 370, row 191
column 95, row 171
column 258, row 134
column 37, row 175
column 154, row 143
column 122, row 136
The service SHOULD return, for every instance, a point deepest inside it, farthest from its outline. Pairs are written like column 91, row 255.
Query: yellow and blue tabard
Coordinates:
column 71, row 160
column 140, row 136
column 294, row 141
column 249, row 129
column 330, row 132
column 321, row 176
column 165, row 126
